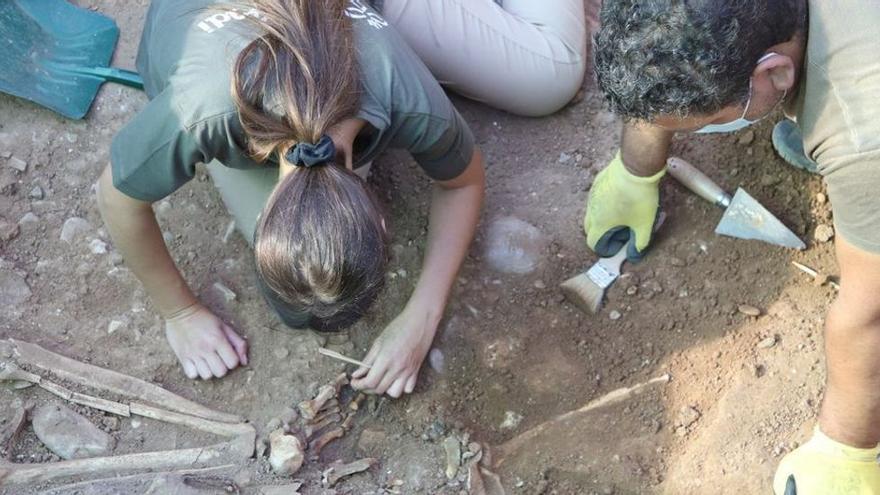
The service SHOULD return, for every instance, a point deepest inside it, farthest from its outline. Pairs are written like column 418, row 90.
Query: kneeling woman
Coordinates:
column 285, row 100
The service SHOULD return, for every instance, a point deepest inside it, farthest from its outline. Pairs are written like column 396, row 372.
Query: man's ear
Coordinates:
column 779, row 69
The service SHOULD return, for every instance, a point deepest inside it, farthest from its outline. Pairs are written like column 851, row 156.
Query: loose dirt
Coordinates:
column 512, row 347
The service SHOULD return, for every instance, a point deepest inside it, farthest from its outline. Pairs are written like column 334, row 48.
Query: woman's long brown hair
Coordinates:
column 320, row 246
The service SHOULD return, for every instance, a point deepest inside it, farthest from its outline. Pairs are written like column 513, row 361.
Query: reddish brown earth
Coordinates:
column 510, row 342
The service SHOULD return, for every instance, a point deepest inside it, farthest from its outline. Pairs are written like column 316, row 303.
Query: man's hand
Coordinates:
column 825, row 467
column 621, row 211
column 205, row 345
column 397, row 355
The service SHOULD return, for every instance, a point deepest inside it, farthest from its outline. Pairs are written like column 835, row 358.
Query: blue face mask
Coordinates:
column 742, row 122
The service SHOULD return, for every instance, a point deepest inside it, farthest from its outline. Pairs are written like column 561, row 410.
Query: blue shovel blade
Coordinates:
column 53, row 54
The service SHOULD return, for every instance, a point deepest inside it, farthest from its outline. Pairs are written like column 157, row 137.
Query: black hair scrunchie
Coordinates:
column 309, row 155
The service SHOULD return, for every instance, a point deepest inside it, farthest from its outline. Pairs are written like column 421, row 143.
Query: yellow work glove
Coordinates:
column 825, row 467
column 621, row 211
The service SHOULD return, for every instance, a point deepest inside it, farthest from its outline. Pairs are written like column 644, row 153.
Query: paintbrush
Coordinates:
column 587, row 290
column 341, row 357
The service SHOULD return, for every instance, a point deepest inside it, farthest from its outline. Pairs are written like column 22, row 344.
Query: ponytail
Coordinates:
column 320, row 246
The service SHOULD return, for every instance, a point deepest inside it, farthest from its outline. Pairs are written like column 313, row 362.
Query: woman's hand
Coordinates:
column 397, row 355
column 205, row 345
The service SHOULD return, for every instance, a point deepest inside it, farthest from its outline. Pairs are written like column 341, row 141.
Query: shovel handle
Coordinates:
column 120, row 76
column 697, row 182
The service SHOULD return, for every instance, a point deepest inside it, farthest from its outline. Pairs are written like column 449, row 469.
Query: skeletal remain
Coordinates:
column 355, row 403
column 331, row 419
column 326, row 413
column 12, row 373
column 13, row 474
column 309, row 409
column 452, row 447
column 335, row 473
column 475, row 485
column 10, row 433
column 123, row 484
column 107, row 380
column 216, row 427
column 318, row 444
column 286, row 453
column 348, row 422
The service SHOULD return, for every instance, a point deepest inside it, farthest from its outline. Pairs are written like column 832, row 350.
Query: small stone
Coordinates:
column 747, row 138
column 632, row 290
column 274, row 424
column 677, row 262
column 614, row 315
column 116, row 259
column 281, row 352
column 110, row 422
column 114, row 325
column 371, row 441
column 14, row 290
column 824, row 233
column 27, row 218
column 749, row 310
column 511, row 420
column 452, row 447
column 5, row 155
column 821, row 198
column 688, row 416
column 540, row 285
column 286, row 453
column 163, row 207
column 230, row 229
column 767, row 343
column 73, row 228
column 514, row 246
column 760, row 370
column 36, row 193
column 97, row 246
column 8, row 230
column 225, row 292
column 437, row 361
column 69, row 434
column 17, row 163
column 564, row 157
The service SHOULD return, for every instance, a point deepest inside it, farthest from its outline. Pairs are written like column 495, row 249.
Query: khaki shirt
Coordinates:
column 838, row 110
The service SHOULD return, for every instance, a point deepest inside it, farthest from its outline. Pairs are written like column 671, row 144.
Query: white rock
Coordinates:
column 68, row 434
column 230, row 229
column 114, row 325
column 286, row 453
column 225, row 292
column 74, row 227
column 614, row 315
column 14, row 290
column 97, row 246
column 36, row 193
column 514, row 246
column 28, row 217
column 437, row 361
column 17, row 163
column 511, row 420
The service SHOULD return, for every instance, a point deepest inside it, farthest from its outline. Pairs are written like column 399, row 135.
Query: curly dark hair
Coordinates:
column 686, row 57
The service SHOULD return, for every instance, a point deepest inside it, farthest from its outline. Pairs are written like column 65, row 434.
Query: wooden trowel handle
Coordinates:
column 697, row 182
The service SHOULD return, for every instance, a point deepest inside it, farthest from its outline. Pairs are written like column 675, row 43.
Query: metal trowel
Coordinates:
column 744, row 218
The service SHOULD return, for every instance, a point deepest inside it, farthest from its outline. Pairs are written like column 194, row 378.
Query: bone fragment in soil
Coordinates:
column 331, row 419
column 286, row 453
column 452, row 447
column 332, row 475
column 309, row 409
column 107, row 380
column 13, row 428
column 356, row 403
column 348, row 422
column 122, row 484
column 318, row 444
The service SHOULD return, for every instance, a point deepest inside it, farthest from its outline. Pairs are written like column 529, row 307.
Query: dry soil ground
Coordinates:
column 512, row 347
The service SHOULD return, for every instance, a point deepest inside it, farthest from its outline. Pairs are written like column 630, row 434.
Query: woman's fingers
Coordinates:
column 411, row 383
column 203, row 368
column 218, row 369
column 189, row 369
column 369, row 360
column 386, row 383
column 396, row 388
column 238, row 343
column 227, row 354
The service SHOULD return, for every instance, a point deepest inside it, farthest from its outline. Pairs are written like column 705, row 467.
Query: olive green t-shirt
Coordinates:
column 186, row 54
column 838, row 110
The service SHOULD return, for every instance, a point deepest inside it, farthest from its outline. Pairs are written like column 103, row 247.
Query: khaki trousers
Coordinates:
column 527, row 57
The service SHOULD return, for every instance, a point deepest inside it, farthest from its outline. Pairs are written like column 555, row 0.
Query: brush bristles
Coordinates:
column 583, row 293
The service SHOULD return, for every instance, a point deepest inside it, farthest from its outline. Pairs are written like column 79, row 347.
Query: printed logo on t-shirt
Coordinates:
column 356, row 10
